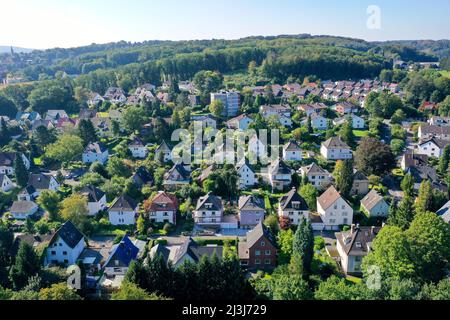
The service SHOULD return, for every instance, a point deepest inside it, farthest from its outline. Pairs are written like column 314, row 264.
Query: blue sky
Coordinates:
column 64, row 23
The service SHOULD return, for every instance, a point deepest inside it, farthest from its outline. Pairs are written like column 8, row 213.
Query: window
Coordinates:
column 257, row 261
column 65, row 253
column 267, row 252
column 116, row 263
column 267, row 261
column 263, row 244
column 257, row 253
column 53, row 253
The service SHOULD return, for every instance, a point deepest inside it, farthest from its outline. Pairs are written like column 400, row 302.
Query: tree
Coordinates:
column 374, row 157
column 26, row 264
column 6, row 242
column 444, row 161
column 285, row 240
column 444, row 107
column 429, row 238
column 424, row 201
column 86, row 131
column 130, row 291
column 217, row 108
column 117, row 167
column 391, row 253
column 49, row 200
column 271, row 222
column 290, row 287
column 347, row 134
column 383, row 104
column 75, row 209
column 43, row 137
column 343, row 176
column 134, row 118
column 303, row 249
column 310, row 194
column 335, row 288
column 402, row 216
column 59, row 292
column 67, row 148
column 208, row 81
column 439, row 291
column 140, row 224
column 20, row 171
column 407, row 185
column 397, row 146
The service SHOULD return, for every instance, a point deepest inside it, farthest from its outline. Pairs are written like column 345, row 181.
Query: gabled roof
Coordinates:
column 257, row 233
column 214, row 201
column 329, row 197
column 251, row 203
column 93, row 194
column 191, row 248
column 180, row 169
column 286, row 202
column 444, row 212
column 163, row 147
column 143, row 175
column 371, row 200
column 434, row 130
column 279, row 167
column 415, row 160
column 438, row 142
column 123, row 252
column 358, row 240
column 137, row 143
column 359, row 176
column 315, row 169
column 291, row 146
column 7, row 158
column 22, row 206
column 95, row 148
column 164, row 201
column 124, row 203
column 39, row 181
column 335, row 143
column 69, row 234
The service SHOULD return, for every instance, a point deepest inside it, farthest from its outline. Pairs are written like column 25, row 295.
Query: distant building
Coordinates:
column 96, row 199
column 230, row 100
column 336, row 149
column 334, row 210
column 138, row 149
column 65, row 246
column 292, row 151
column 259, row 250
column 294, row 207
column 123, row 211
column 374, row 205
column 251, row 211
column 163, row 208
column 95, row 152
column 316, row 175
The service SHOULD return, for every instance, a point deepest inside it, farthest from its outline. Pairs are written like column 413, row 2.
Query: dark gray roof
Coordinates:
column 190, row 247
column 216, row 203
column 335, row 142
column 257, row 233
column 39, row 181
column 180, row 169
column 124, row 203
column 69, row 234
column 434, row 130
column 22, row 206
column 251, row 203
column 7, row 158
column 292, row 196
column 359, row 176
column 94, row 194
column 371, row 200
column 291, row 146
column 358, row 240
column 95, row 148
column 438, row 142
column 279, row 167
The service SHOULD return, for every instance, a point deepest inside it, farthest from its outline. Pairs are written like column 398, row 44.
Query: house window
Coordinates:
column 263, row 244
column 267, row 261
column 65, row 253
column 257, row 261
column 53, row 253
column 257, row 252
column 267, row 252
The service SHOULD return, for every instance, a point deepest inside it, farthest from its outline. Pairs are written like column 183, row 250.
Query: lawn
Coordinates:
column 102, row 114
column 37, row 161
column 445, row 73
column 361, row 133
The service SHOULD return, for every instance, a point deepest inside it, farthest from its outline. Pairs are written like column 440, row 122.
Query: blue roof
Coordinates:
column 124, row 252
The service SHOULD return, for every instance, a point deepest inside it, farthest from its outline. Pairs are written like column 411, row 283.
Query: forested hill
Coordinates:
column 280, row 57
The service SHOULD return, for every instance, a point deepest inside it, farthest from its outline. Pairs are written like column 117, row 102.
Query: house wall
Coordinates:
column 139, row 152
column 296, row 216
column 122, row 218
column 205, row 217
column 96, row 207
column 292, row 155
column 360, row 188
column 336, row 154
column 61, row 253
column 430, row 149
column 339, row 213
column 247, row 177
column 7, row 184
column 23, row 216
column 249, row 218
column 380, row 210
column 162, row 216
column 95, row 157
column 266, row 261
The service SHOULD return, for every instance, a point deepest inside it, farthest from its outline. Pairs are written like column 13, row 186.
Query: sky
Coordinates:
column 40, row 24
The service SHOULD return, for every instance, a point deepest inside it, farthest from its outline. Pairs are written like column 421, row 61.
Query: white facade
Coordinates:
column 139, row 152
column 96, row 207
column 10, row 169
column 230, row 102
column 336, row 153
column 430, row 149
column 256, row 147
column 294, row 215
column 91, row 157
column 61, row 253
column 122, row 218
column 292, row 155
column 163, row 216
column 339, row 213
column 247, row 177
column 24, row 215
column 7, row 184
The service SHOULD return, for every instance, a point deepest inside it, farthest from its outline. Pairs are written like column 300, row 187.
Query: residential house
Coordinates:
column 251, row 211
column 427, row 131
column 336, row 149
column 444, row 212
column 256, row 148
column 138, row 149
column 374, row 205
column 187, row 250
column 7, row 160
column 241, row 122
column 247, row 176
column 176, row 177
column 42, row 123
column 123, row 211
column 115, row 95
column 120, row 258
column 95, row 99
column 294, row 207
column 207, row 121
column 163, row 208
column 280, row 175
column 142, row 177
column 163, row 152
column 360, row 184
column 87, row 114
column 39, row 182
column 353, row 246
column 209, row 211
column 5, row 183
column 65, row 246
column 310, row 109
column 230, row 101
column 433, row 147
column 55, row 115
column 283, row 112
column 95, row 152
column 357, row 122
column 413, row 160
column 25, row 117
column 316, row 175
column 344, row 108
column 115, row 115
column 21, row 210
column 318, row 122
column 334, row 210
column 259, row 250
column 292, row 151
column 96, row 199
column 439, row 121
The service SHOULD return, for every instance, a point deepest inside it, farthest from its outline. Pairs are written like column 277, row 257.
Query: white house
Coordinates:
column 336, row 149
column 357, row 122
column 247, row 177
column 207, row 121
column 38, row 182
column 251, row 211
column 65, row 246
column 241, row 122
column 318, row 122
column 209, row 210
column 123, row 211
column 433, row 147
column 163, row 152
column 96, row 199
column 316, row 175
column 5, row 183
column 292, row 151
column 353, row 246
column 294, row 207
column 256, row 148
column 283, row 112
column 7, row 160
column 280, row 175
column 374, row 205
column 95, row 152
column 55, row 115
column 21, row 210
column 138, row 149
column 163, row 208
column 427, row 131
column 334, row 210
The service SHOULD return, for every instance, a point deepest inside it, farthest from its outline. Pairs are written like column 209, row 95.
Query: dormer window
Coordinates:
column 358, row 245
